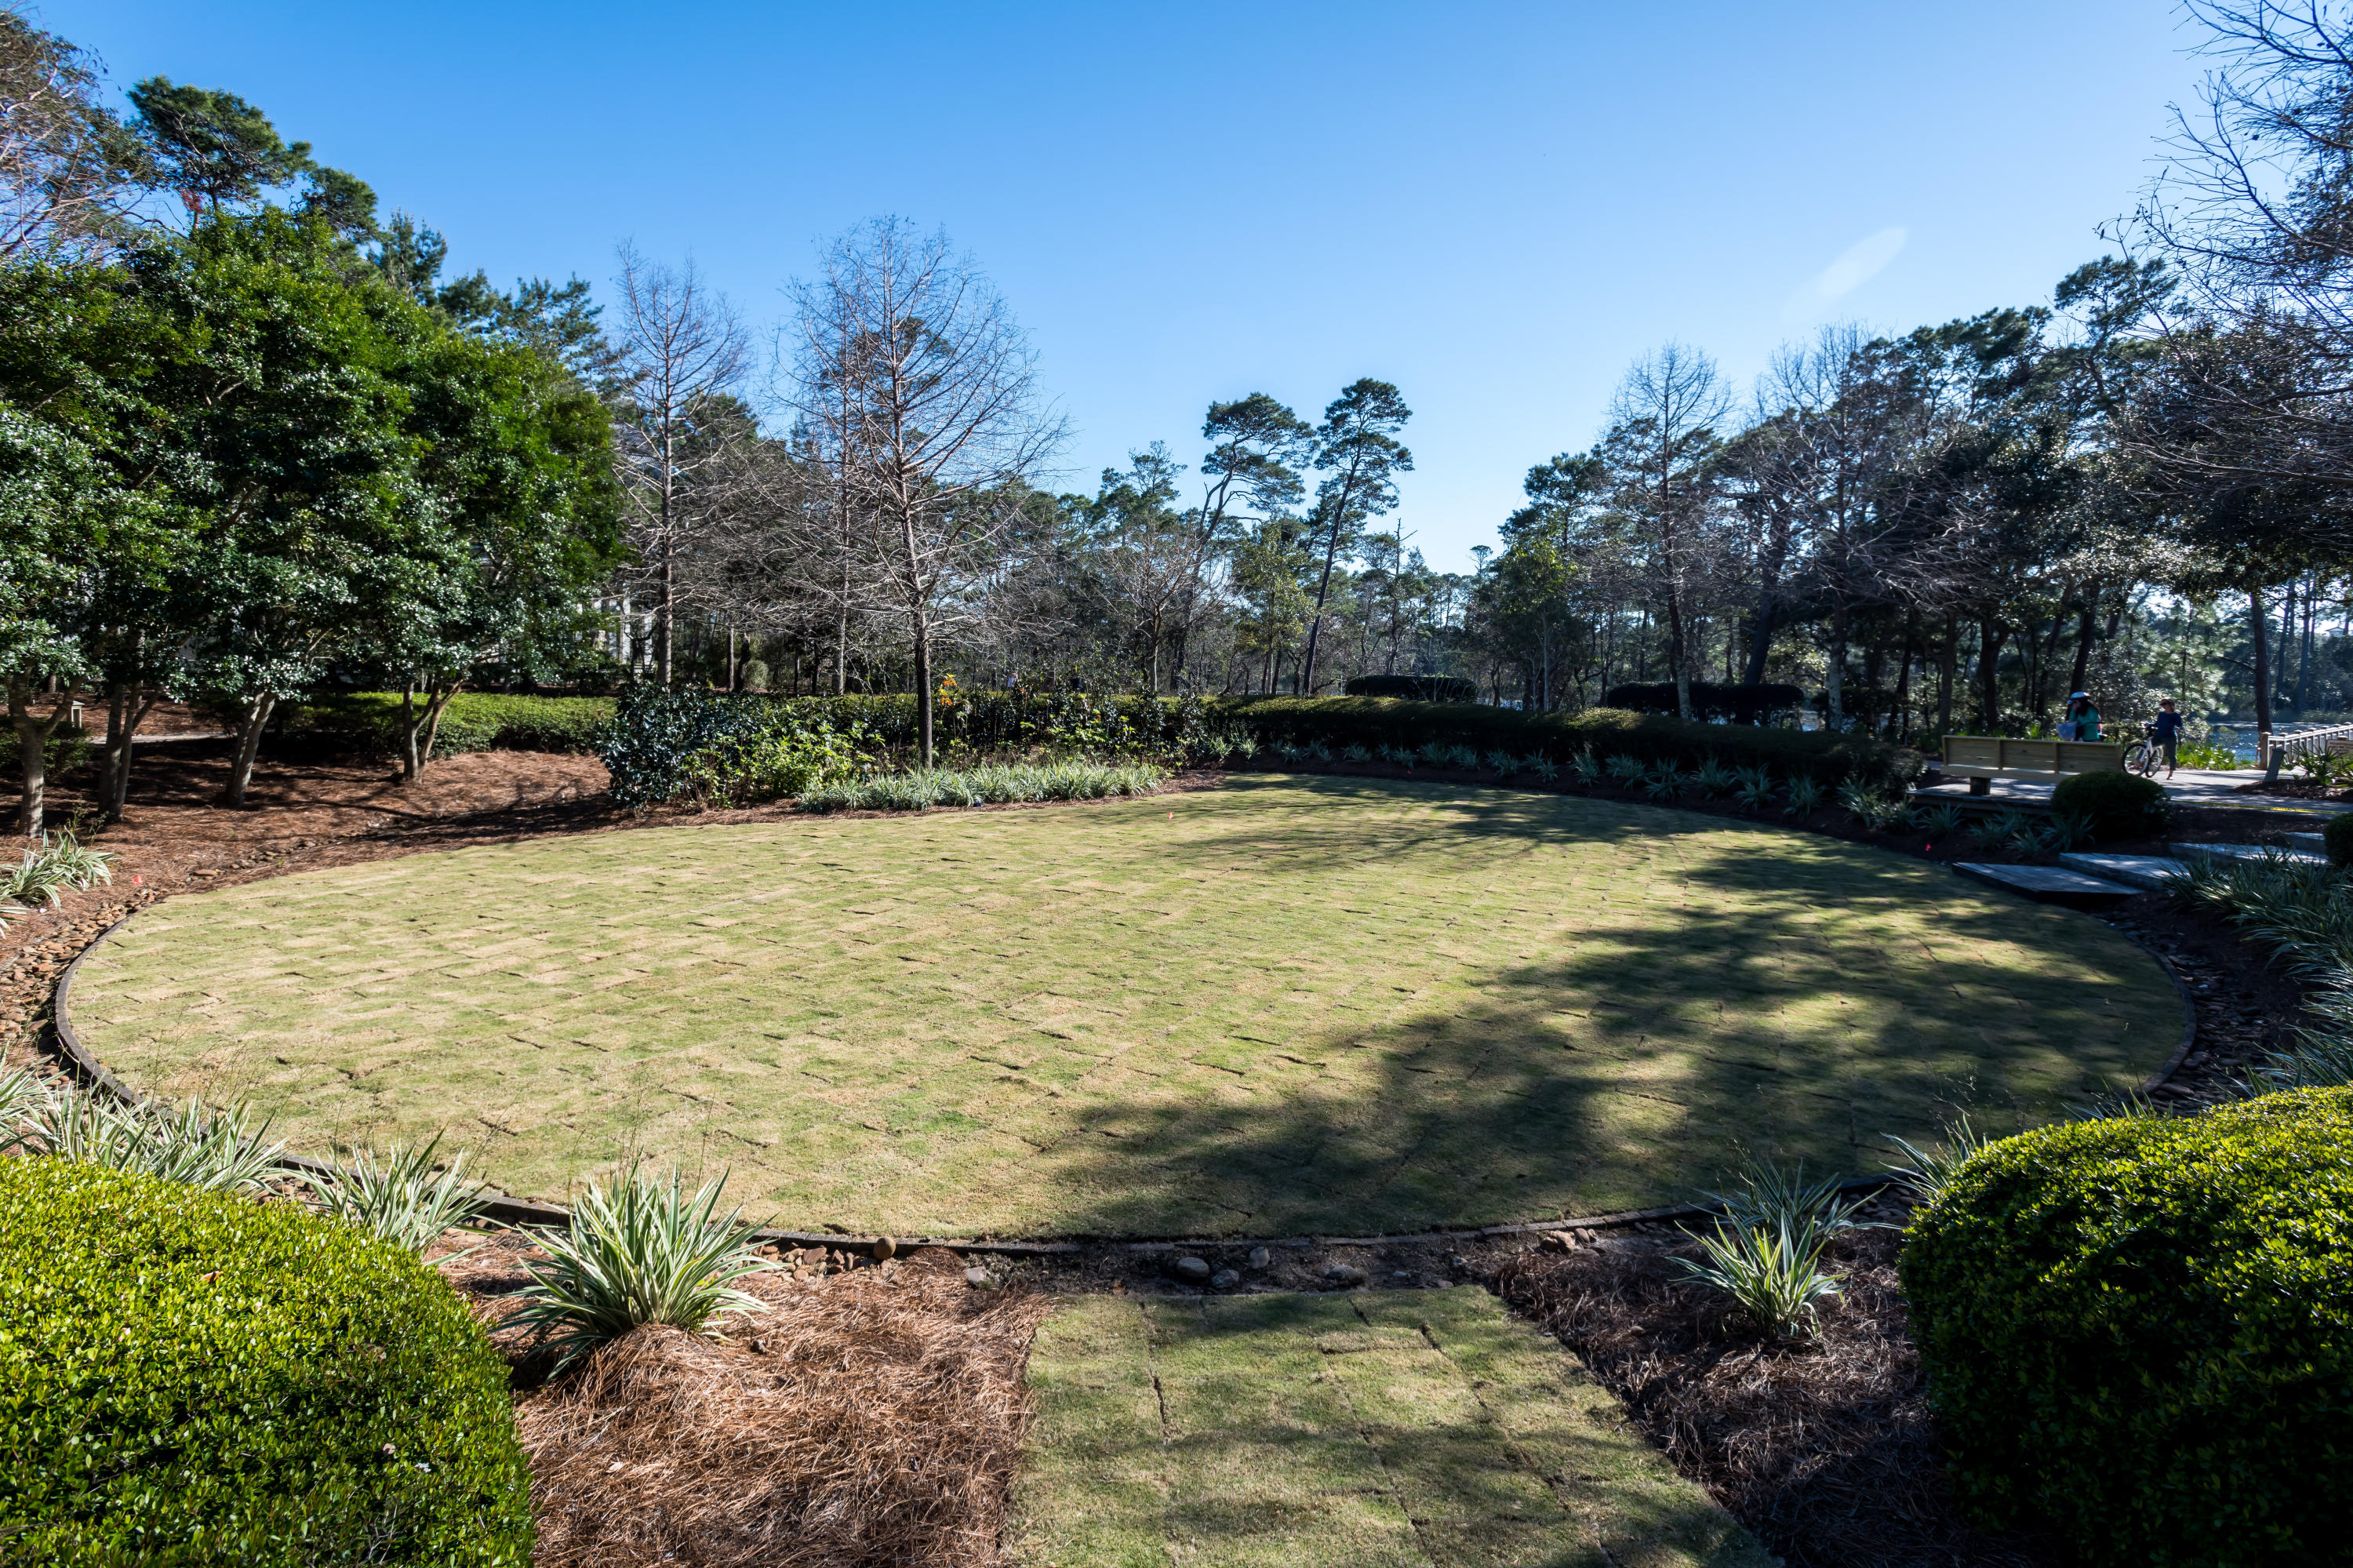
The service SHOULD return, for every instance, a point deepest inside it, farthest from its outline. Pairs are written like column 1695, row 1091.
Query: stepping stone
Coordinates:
column 2048, row 883
column 2148, row 871
column 2242, row 852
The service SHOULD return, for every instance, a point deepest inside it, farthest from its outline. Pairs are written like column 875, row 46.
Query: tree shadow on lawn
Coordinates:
column 1639, row 1066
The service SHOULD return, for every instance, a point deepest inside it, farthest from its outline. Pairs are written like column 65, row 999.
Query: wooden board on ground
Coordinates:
column 1371, row 1429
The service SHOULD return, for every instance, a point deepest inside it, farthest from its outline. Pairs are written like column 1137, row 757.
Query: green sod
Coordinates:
column 1376, row 1429
column 1328, row 1005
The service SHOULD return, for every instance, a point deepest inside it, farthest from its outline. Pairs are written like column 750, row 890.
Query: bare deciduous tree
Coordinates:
column 926, row 390
column 676, row 420
column 69, row 170
column 1661, row 448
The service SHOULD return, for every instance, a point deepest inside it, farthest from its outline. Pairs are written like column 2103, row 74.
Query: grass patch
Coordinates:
column 1374, row 1428
column 1334, row 1005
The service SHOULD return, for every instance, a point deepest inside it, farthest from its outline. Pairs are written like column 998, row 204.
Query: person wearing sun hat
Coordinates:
column 2082, row 717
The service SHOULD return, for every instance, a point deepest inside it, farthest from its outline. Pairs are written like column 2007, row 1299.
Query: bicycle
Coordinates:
column 2144, row 757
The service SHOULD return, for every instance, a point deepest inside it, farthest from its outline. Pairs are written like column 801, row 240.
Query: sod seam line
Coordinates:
column 522, row 1212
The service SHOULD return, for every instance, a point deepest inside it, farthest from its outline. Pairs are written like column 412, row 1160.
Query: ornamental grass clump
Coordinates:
column 211, row 1149
column 1753, row 788
column 2138, row 1333
column 1715, row 780
column 1767, row 1250
column 190, row 1377
column 1663, row 781
column 60, row 864
column 1803, row 796
column 640, row 1250
column 399, row 1196
column 2304, row 913
column 1624, row 769
column 1584, row 768
column 1927, row 1172
column 989, row 785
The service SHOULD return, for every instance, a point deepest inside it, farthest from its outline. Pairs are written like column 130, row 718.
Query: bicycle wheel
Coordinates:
column 2142, row 758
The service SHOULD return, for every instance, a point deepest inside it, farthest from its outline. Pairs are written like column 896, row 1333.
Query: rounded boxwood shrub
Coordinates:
column 2119, row 805
column 2139, row 1332
column 189, row 1377
column 2339, row 837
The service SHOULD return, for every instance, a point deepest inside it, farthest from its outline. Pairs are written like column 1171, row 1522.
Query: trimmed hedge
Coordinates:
column 2117, row 804
column 192, row 1378
column 1829, row 758
column 1739, row 704
column 367, row 724
column 1415, row 688
column 2139, row 1332
column 2337, row 838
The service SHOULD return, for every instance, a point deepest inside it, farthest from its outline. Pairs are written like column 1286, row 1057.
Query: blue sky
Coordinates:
column 1495, row 206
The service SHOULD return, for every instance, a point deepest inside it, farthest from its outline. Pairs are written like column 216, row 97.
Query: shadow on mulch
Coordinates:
column 1823, row 1448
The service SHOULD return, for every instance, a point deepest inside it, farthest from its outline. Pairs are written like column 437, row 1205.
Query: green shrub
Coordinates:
column 190, row 1378
column 2120, row 805
column 2338, row 838
column 367, row 724
column 1415, row 688
column 2139, row 1332
column 1374, row 722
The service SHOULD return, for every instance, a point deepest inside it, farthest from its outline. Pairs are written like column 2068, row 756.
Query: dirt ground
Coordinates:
column 874, row 1416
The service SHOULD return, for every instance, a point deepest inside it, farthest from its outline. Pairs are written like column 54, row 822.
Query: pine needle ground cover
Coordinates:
column 1384, row 1429
column 1284, row 1005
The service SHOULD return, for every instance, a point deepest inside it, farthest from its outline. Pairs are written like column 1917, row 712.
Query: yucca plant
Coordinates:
column 1316, row 751
column 22, row 1093
column 639, row 1250
column 2066, row 831
column 1803, row 794
column 1663, row 781
column 1502, row 763
column 1715, row 780
column 1776, row 1196
column 214, row 1149
column 1862, row 804
column 1942, row 822
column 1996, row 832
column 1924, row 1172
column 1767, row 1250
column 1623, row 770
column 1584, row 768
column 1355, row 752
column 1463, row 757
column 1753, row 788
column 1773, row 1275
column 1546, row 770
column 1286, row 752
column 399, row 1196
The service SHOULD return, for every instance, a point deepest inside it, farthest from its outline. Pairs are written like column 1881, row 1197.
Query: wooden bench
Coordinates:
column 1982, row 758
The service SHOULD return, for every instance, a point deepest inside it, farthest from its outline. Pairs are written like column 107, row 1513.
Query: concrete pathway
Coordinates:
column 2061, row 884
column 2191, row 785
column 1365, row 1429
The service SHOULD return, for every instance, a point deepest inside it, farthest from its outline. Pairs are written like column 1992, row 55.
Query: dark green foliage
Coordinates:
column 655, row 733
column 367, row 724
column 2117, row 804
column 1415, row 688
column 1378, row 720
column 2139, row 1332
column 190, row 1378
column 1739, row 704
column 2339, row 837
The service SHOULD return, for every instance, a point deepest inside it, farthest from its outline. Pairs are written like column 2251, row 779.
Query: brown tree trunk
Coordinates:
column 248, row 747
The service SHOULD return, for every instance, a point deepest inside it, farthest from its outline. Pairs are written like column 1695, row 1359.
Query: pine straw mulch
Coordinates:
column 871, row 1415
column 1824, row 1448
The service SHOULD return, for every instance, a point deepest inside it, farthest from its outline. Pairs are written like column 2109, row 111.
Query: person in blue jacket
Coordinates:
column 2165, row 731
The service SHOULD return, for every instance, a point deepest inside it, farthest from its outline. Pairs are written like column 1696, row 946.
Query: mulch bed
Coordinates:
column 875, row 1414
column 1823, row 1448
column 870, row 1416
